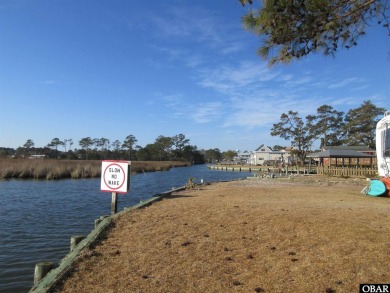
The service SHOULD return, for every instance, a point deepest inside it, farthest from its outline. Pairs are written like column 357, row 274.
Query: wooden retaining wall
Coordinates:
column 350, row 171
column 55, row 275
column 265, row 169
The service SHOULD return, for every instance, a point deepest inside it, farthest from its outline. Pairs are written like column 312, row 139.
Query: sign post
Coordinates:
column 115, row 178
column 114, row 203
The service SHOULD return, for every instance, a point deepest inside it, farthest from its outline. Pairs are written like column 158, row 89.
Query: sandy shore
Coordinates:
column 267, row 235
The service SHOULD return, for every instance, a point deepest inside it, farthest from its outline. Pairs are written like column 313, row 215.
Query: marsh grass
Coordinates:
column 59, row 169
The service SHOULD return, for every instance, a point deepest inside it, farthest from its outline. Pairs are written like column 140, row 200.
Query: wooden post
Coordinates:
column 114, row 203
column 41, row 270
column 74, row 240
column 97, row 222
column 101, row 218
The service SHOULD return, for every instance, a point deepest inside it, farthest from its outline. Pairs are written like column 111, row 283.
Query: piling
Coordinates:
column 54, row 274
column 41, row 270
column 74, row 240
column 97, row 221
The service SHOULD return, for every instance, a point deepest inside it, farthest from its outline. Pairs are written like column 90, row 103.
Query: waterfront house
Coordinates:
column 264, row 155
column 242, row 157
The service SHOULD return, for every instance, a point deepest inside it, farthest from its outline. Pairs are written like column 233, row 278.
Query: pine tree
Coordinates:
column 295, row 28
column 360, row 124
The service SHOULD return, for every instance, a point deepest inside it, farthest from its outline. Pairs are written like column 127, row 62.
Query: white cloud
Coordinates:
column 206, row 112
column 345, row 82
column 173, row 101
column 182, row 108
column 230, row 80
column 179, row 22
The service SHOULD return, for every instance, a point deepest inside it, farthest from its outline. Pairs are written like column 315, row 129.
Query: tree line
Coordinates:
column 164, row 148
column 331, row 127
column 328, row 126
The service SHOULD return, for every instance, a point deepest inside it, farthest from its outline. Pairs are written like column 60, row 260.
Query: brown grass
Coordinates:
column 245, row 236
column 57, row 169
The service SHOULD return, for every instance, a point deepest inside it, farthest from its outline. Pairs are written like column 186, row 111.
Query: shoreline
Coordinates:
column 313, row 234
column 48, row 169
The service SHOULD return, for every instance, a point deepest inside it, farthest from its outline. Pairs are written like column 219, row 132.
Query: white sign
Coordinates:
column 115, row 176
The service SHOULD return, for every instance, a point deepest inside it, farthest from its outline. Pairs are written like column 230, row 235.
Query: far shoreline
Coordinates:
column 52, row 169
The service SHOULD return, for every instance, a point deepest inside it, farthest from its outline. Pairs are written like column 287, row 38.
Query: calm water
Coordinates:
column 37, row 218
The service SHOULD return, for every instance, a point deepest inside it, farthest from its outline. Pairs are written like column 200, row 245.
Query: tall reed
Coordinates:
column 58, row 169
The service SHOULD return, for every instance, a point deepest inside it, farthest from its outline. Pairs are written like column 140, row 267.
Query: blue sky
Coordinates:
column 78, row 68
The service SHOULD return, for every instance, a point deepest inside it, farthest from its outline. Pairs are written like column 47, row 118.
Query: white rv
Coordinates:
column 383, row 145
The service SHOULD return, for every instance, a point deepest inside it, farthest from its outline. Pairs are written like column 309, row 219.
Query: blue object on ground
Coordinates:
column 377, row 188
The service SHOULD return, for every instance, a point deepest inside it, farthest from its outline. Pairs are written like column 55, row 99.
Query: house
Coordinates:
column 242, row 157
column 264, row 155
column 37, row 157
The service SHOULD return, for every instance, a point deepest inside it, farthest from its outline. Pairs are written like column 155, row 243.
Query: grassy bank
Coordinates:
column 298, row 235
column 58, row 169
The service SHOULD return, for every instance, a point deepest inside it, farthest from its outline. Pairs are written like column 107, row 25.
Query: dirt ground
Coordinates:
column 305, row 234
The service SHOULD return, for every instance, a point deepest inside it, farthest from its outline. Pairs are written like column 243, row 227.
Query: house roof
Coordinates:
column 264, row 146
column 358, row 148
column 338, row 153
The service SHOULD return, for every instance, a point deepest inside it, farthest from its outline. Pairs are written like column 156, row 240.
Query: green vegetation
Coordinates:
column 59, row 169
column 164, row 148
column 291, row 29
column 357, row 127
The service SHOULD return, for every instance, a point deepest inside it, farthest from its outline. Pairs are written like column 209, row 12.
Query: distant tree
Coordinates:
column 277, row 147
column 179, row 141
column 360, row 124
column 5, row 152
column 146, row 153
column 28, row 145
column 116, row 145
column 86, row 143
column 193, row 155
column 98, row 143
column 229, row 155
column 106, row 143
column 300, row 133
column 55, row 142
column 328, row 124
column 295, row 28
column 65, row 144
column 163, row 146
column 70, row 143
column 102, row 143
column 213, row 155
column 128, row 143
